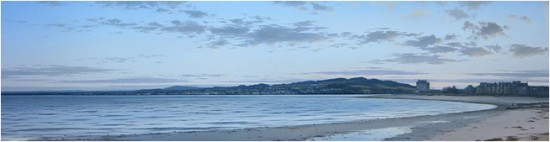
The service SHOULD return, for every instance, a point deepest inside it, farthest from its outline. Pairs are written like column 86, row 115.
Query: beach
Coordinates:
column 521, row 124
column 176, row 70
column 517, row 118
column 521, row 118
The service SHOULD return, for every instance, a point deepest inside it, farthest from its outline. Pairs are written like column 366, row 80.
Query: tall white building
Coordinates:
column 422, row 86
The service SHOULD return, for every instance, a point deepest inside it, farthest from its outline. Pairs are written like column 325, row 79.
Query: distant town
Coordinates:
column 357, row 85
column 516, row 88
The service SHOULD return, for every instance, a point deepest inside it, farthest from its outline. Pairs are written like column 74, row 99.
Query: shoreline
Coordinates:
column 420, row 127
column 499, row 101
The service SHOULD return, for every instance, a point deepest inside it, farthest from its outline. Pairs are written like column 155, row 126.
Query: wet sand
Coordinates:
column 456, row 126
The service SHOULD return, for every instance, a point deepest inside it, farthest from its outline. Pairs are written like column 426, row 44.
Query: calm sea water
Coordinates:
column 31, row 117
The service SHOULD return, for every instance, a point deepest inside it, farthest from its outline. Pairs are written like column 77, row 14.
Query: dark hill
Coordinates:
column 357, row 85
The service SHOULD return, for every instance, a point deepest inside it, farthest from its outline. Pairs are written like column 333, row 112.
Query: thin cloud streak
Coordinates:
column 369, row 72
column 137, row 80
column 52, row 70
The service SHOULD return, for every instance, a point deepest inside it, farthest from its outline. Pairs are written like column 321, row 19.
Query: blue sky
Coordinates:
column 133, row 45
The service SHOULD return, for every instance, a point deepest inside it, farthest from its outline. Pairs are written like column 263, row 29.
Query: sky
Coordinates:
column 151, row 44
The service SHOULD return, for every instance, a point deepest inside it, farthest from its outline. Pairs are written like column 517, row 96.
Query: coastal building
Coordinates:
column 451, row 90
column 422, row 86
column 470, row 90
column 538, row 90
column 502, row 88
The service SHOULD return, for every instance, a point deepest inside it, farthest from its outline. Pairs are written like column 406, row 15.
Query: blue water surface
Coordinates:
column 27, row 117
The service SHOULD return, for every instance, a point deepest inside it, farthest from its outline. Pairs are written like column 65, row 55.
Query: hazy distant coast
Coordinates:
column 357, row 85
column 532, row 126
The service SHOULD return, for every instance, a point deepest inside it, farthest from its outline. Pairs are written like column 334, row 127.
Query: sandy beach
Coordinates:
column 515, row 118
column 518, row 118
column 521, row 124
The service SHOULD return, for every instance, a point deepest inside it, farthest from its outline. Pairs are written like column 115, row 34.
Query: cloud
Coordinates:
column 52, row 70
column 202, row 75
column 477, row 80
column 457, row 14
column 237, row 28
column 111, row 22
column 469, row 26
column 516, row 74
column 451, row 37
column 175, row 26
column 306, row 26
column 485, row 29
column 440, row 49
column 51, row 3
column 118, row 59
column 369, row 72
column 62, row 26
column 161, row 10
column 304, row 23
column 140, row 57
column 495, row 48
column 525, row 18
column 137, row 80
column 473, row 4
column 532, row 76
column 340, row 45
column 149, row 56
column 471, row 49
column 196, row 13
column 491, row 29
column 303, row 5
column 216, row 44
column 259, row 19
column 418, row 13
column 378, row 36
column 69, row 27
column 187, row 27
column 409, row 58
column 141, row 4
column 522, row 18
column 462, row 44
column 270, row 34
column 240, row 22
column 149, row 27
column 522, row 51
column 230, row 31
column 158, row 6
column 475, row 51
column 266, row 80
column 117, row 22
column 319, row 7
column 251, row 33
column 292, row 3
column 424, row 41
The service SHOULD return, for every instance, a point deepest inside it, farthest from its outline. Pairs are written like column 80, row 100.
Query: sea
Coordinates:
column 31, row 117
